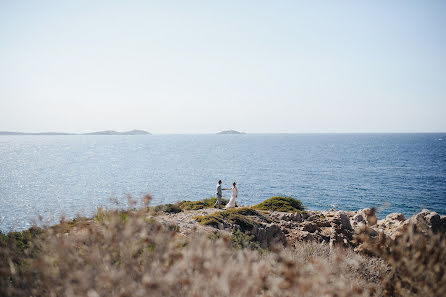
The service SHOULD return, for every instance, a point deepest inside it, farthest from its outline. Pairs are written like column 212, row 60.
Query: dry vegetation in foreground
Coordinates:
column 131, row 254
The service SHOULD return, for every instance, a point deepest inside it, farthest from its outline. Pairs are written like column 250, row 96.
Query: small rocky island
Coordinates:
column 112, row 132
column 230, row 132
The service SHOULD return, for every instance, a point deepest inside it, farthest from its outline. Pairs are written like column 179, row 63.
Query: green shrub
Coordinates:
column 238, row 216
column 124, row 216
column 280, row 203
column 100, row 215
column 168, row 208
column 215, row 235
column 204, row 203
column 20, row 242
column 17, row 249
column 241, row 240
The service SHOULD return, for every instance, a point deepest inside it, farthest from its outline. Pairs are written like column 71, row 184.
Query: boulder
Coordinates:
column 396, row 216
column 314, row 217
column 368, row 215
column 443, row 223
column 425, row 221
column 322, row 223
column 269, row 235
column 391, row 224
column 310, row 227
column 305, row 215
column 345, row 222
column 294, row 217
column 305, row 236
column 434, row 221
column 297, row 217
column 364, row 229
column 358, row 218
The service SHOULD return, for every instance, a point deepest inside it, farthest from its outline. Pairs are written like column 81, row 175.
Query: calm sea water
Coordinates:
column 69, row 175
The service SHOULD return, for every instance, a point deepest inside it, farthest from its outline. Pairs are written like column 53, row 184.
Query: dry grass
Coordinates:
column 418, row 262
column 133, row 255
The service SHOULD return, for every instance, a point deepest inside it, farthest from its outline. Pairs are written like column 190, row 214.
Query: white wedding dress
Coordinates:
column 231, row 203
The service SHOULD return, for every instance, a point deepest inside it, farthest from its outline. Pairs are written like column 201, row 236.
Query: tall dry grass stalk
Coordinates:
column 417, row 259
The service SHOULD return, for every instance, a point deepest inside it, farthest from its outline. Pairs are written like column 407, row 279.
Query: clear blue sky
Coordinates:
column 205, row 66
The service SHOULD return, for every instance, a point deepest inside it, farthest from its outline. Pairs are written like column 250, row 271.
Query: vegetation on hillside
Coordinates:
column 130, row 254
column 167, row 208
column 280, row 203
column 204, row 203
column 242, row 217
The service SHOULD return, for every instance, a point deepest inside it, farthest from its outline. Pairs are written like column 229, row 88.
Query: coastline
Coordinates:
column 274, row 248
column 323, row 226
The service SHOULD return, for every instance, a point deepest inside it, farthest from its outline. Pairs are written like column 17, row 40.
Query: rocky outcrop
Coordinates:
column 331, row 227
column 395, row 224
column 269, row 235
column 424, row 221
column 396, row 217
column 345, row 222
column 336, row 228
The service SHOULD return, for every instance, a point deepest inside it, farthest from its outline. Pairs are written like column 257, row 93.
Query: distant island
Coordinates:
column 111, row 132
column 230, row 132
column 106, row 132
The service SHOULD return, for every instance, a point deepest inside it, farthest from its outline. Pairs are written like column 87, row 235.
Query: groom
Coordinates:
column 219, row 194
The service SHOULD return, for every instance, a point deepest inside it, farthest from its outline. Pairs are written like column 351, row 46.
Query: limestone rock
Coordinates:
column 443, row 223
column 396, row 216
column 424, row 221
column 358, row 218
column 269, row 235
column 368, row 215
column 305, row 236
column 345, row 222
column 305, row 215
column 310, row 227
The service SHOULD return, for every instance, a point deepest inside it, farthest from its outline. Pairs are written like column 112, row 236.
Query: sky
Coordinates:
column 206, row 66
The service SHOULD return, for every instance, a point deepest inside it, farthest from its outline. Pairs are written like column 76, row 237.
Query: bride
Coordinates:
column 231, row 203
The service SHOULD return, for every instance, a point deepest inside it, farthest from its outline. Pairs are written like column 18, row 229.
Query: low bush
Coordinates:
column 239, row 216
column 17, row 250
column 280, row 203
column 168, row 208
column 241, row 240
column 204, row 203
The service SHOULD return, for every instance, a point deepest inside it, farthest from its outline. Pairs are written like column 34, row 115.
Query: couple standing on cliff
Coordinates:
column 231, row 203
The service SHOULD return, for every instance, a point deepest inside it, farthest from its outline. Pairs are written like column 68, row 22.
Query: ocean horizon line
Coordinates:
column 56, row 133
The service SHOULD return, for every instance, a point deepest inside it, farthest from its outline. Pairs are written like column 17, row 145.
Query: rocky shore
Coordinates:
column 333, row 227
column 274, row 248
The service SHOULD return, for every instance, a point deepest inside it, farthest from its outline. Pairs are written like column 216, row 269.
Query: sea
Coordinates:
column 46, row 178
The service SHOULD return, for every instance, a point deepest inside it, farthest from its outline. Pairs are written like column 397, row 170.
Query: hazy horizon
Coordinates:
column 203, row 67
column 216, row 132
